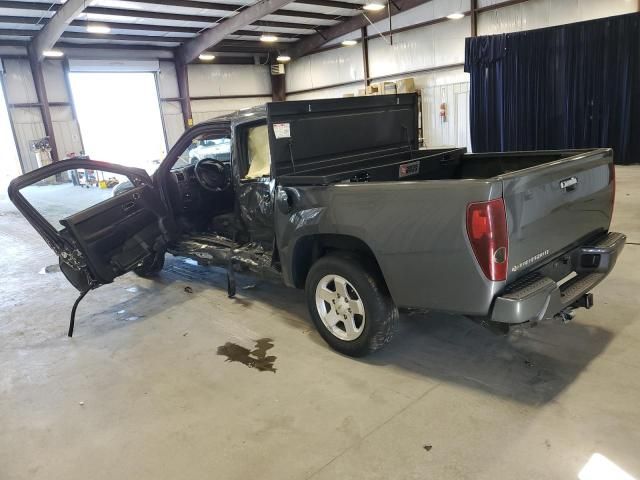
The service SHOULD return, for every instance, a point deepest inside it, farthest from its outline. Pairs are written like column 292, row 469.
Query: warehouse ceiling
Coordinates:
column 188, row 27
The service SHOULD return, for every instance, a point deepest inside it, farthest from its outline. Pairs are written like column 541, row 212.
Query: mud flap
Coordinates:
column 231, row 279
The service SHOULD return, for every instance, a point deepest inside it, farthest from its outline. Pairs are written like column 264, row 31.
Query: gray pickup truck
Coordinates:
column 334, row 196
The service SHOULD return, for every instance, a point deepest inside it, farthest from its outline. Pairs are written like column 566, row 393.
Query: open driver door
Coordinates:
column 98, row 230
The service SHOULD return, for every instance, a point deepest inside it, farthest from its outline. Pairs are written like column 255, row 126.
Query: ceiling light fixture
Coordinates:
column 100, row 29
column 267, row 37
column 206, row 57
column 53, row 53
column 348, row 43
column 455, row 16
column 283, row 58
column 374, row 6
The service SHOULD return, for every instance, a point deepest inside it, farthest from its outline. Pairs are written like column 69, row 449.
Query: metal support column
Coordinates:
column 183, row 90
column 474, row 18
column 41, row 92
column 365, row 55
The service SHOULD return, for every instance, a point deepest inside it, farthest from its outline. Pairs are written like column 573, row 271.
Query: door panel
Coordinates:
column 100, row 235
column 116, row 235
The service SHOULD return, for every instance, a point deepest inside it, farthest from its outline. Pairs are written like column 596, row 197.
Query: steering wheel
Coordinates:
column 212, row 175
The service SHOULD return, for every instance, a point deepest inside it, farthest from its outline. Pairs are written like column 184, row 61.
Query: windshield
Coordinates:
column 205, row 146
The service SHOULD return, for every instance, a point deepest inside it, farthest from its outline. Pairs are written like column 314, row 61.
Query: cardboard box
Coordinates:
column 406, row 85
column 389, row 88
column 373, row 89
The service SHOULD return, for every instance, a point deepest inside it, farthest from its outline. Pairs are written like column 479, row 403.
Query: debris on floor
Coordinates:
column 188, row 290
column 50, row 269
column 427, row 447
column 256, row 358
column 132, row 289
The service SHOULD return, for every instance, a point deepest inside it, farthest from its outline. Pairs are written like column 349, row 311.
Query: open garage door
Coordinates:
column 119, row 116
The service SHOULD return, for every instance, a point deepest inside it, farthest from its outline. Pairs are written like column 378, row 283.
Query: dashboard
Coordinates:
column 188, row 196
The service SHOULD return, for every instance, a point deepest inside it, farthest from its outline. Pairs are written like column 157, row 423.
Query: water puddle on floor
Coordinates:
column 256, row 358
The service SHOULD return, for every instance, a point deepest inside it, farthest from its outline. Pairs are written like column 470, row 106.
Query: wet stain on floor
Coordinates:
column 256, row 358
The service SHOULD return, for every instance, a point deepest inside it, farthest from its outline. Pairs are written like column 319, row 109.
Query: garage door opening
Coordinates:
column 9, row 161
column 119, row 117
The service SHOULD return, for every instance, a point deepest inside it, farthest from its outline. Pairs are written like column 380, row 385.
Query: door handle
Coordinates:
column 128, row 206
column 569, row 184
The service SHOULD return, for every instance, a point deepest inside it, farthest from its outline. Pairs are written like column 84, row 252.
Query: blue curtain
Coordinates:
column 572, row 86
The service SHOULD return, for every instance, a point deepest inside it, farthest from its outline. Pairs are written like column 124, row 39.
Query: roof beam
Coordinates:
column 199, row 18
column 190, row 50
column 314, row 42
column 331, row 4
column 47, row 37
column 123, row 12
column 159, row 28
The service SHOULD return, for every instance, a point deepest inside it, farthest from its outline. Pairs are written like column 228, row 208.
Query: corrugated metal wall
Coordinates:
column 545, row 13
column 251, row 81
column 433, row 47
column 325, row 69
column 27, row 121
column 225, row 81
column 220, row 89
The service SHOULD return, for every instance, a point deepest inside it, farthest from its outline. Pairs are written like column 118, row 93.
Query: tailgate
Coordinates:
column 554, row 206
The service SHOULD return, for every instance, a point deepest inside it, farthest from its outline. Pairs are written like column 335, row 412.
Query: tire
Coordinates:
column 338, row 320
column 151, row 266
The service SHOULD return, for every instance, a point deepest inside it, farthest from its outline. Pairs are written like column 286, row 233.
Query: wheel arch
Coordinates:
column 309, row 248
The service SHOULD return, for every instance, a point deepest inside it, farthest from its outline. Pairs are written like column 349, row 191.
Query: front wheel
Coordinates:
column 350, row 305
column 150, row 266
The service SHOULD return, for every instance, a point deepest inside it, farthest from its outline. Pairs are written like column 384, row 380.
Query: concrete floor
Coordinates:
column 140, row 391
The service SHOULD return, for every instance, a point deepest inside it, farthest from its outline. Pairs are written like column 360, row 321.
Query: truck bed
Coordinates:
column 403, row 164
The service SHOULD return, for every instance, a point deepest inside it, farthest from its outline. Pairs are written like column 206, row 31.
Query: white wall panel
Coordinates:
column 423, row 13
column 453, row 130
column 545, row 13
column 222, row 80
column 332, row 67
column 422, row 48
column 172, row 120
column 66, row 131
column 489, row 3
column 54, row 81
column 19, row 82
column 207, row 109
column 27, row 125
column 168, row 81
column 333, row 92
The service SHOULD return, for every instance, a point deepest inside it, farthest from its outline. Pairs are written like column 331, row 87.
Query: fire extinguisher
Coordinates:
column 443, row 112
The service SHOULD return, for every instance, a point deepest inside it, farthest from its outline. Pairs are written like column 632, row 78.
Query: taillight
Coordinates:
column 487, row 231
column 612, row 181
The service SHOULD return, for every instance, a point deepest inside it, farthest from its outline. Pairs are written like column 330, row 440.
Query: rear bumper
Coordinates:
column 536, row 297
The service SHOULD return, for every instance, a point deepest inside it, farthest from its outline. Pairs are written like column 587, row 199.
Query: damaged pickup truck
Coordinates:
column 334, row 196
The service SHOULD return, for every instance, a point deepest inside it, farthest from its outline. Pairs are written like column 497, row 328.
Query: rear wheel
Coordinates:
column 150, row 266
column 349, row 305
